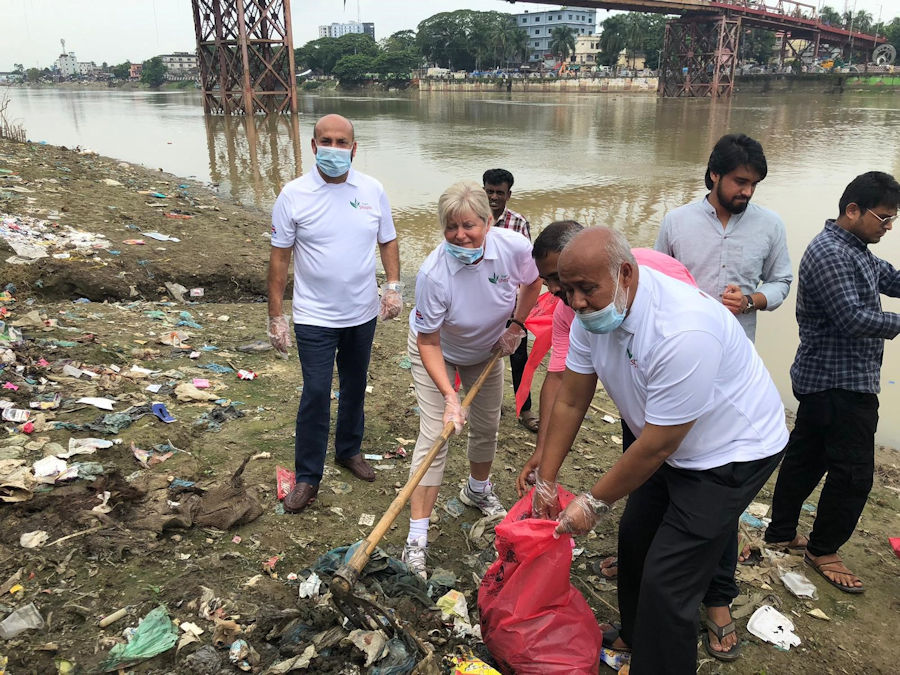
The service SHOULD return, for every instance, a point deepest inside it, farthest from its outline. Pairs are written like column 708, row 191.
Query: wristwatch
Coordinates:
column 750, row 307
column 598, row 506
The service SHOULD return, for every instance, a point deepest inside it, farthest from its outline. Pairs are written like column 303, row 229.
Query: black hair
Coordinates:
column 554, row 237
column 497, row 177
column 733, row 151
column 871, row 189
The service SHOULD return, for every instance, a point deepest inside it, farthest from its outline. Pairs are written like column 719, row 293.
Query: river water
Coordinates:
column 602, row 159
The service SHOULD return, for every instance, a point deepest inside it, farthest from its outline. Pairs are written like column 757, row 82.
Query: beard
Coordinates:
column 736, row 205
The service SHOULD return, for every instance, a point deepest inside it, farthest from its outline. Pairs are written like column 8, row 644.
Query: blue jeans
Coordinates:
column 316, row 346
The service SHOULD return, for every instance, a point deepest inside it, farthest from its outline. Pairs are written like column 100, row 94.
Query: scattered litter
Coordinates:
column 340, row 487
column 752, row 520
column 367, row 520
column 102, row 403
column 895, row 545
column 24, row 618
column 819, row 614
column 112, row 618
column 616, row 439
column 246, row 374
column 196, row 292
column 216, row 368
column 405, row 363
column 768, row 624
column 34, row 539
column 809, row 508
column 31, row 238
column 374, row 458
column 284, row 481
column 255, row 347
column 310, row 587
column 369, row 642
column 241, row 654
column 609, row 419
column 454, row 507
column 177, row 291
column 148, row 458
column 160, row 410
column 799, row 585
column 200, row 383
column 188, row 392
column 758, row 509
column 154, row 635
column 158, row 236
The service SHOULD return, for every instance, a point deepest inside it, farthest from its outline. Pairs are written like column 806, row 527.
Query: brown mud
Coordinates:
column 112, row 564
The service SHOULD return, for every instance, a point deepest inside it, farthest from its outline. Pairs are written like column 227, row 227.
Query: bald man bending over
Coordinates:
column 710, row 430
column 330, row 220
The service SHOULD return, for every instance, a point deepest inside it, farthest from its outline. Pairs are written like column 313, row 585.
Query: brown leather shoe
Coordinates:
column 358, row 466
column 301, row 496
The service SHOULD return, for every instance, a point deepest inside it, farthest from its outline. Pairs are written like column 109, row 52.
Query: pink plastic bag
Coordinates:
column 532, row 619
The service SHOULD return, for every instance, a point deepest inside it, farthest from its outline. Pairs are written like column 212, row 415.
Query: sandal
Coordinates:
column 610, row 635
column 823, row 567
column 789, row 546
column 721, row 632
column 530, row 421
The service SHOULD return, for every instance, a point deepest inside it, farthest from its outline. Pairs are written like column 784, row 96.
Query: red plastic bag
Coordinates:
column 532, row 619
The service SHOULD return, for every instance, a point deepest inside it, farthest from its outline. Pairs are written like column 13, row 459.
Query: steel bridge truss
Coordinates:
column 699, row 56
column 246, row 55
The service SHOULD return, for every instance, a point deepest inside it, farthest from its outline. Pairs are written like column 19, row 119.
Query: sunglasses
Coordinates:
column 883, row 220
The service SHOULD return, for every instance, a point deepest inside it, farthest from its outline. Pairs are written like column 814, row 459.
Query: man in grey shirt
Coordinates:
column 737, row 251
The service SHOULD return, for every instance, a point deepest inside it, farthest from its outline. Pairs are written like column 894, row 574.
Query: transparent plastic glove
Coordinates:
column 577, row 518
column 509, row 341
column 527, row 475
column 391, row 300
column 545, row 500
column 279, row 331
column 453, row 412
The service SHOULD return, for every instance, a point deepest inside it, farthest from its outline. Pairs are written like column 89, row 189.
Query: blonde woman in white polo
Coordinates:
column 466, row 290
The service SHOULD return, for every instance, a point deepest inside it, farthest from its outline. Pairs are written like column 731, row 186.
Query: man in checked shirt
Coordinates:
column 835, row 376
column 498, row 187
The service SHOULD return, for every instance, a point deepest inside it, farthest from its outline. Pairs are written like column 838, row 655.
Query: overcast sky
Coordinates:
column 120, row 30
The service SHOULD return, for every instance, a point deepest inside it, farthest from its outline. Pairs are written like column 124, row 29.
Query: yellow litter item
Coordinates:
column 18, row 588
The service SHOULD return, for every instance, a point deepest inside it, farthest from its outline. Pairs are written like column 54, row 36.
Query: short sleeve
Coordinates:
column 284, row 229
column 579, row 356
column 559, row 337
column 526, row 270
column 386, row 230
column 432, row 304
column 681, row 377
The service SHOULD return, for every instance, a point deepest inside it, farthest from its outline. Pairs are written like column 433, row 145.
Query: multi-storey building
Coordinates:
column 67, row 64
column 538, row 26
column 338, row 29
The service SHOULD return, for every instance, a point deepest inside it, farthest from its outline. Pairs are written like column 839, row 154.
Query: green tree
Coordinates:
column 395, row 67
column 323, row 54
column 401, row 41
column 756, row 45
column 892, row 32
column 153, row 72
column 830, row 16
column 562, row 42
column 612, row 40
column 18, row 68
column 460, row 39
column 33, row 75
column 122, row 71
column 352, row 69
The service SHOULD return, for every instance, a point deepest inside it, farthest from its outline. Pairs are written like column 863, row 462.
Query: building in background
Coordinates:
column 66, row 64
column 181, row 66
column 586, row 49
column 538, row 26
column 134, row 72
column 87, row 68
column 338, row 29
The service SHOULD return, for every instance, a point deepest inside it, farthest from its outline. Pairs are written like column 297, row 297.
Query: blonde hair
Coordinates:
column 465, row 196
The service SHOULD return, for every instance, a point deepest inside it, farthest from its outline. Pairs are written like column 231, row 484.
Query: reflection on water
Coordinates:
column 610, row 159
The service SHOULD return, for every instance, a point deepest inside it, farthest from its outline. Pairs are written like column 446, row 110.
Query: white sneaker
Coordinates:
column 487, row 502
column 414, row 557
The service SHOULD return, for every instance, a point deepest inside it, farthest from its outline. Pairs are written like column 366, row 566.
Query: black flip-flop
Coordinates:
column 754, row 558
column 721, row 632
column 852, row 590
column 610, row 635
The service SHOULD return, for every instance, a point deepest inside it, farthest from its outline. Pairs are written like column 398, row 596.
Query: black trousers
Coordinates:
column 672, row 536
column 834, row 436
column 722, row 587
column 517, row 362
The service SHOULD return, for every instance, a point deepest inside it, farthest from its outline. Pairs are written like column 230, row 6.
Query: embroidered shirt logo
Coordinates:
column 362, row 206
column 631, row 359
column 499, row 278
column 355, row 203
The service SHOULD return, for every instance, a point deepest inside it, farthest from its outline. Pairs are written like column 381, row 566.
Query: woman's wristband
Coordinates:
column 518, row 323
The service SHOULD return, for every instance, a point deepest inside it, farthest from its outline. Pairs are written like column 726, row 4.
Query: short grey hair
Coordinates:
column 618, row 252
column 461, row 197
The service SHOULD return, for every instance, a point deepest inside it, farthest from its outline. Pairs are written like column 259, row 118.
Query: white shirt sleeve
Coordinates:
column 681, row 377
column 432, row 304
column 386, row 231
column 284, row 229
column 526, row 267
column 579, row 357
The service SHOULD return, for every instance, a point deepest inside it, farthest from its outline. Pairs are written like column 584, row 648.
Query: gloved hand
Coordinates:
column 528, row 473
column 453, row 412
column 391, row 300
column 545, row 500
column 509, row 341
column 279, row 333
column 578, row 517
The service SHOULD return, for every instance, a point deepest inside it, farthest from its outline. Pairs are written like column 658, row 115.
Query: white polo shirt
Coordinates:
column 680, row 356
column 333, row 228
column 470, row 304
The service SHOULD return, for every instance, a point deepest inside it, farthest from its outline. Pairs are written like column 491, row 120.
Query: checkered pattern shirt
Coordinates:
column 514, row 221
column 842, row 326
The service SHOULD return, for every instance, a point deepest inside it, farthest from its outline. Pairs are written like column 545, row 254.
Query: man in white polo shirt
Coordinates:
column 330, row 220
column 710, row 430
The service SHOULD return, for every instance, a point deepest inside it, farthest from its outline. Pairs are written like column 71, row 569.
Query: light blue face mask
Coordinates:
column 604, row 320
column 333, row 162
column 465, row 255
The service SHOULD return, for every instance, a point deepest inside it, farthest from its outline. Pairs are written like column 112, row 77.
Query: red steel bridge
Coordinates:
column 699, row 56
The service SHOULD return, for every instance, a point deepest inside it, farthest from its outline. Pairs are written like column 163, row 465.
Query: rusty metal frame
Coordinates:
column 700, row 57
column 246, row 54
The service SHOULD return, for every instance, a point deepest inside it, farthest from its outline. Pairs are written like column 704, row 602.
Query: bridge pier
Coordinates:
column 246, row 56
column 699, row 56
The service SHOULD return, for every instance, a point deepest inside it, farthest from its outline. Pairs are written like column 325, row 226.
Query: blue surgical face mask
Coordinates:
column 465, row 255
column 333, row 162
column 604, row 320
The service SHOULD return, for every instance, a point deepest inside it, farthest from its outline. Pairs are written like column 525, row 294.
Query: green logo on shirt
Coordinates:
column 498, row 278
column 355, row 203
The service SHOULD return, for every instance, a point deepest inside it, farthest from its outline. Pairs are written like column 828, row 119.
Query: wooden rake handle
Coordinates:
column 347, row 575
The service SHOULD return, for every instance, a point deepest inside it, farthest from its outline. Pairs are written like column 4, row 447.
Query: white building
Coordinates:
column 67, row 64
column 338, row 29
column 180, row 61
column 87, row 68
column 538, row 26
